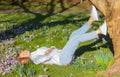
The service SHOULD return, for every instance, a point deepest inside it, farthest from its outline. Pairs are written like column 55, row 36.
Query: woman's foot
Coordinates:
column 102, row 29
column 94, row 16
column 90, row 21
column 94, row 13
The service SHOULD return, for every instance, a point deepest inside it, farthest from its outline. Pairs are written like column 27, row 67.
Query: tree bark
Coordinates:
column 101, row 5
column 111, row 11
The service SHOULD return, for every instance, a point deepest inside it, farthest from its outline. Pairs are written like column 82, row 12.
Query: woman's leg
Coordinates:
column 94, row 17
column 69, row 49
column 82, row 29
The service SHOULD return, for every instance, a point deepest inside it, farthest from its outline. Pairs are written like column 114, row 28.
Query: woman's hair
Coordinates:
column 23, row 57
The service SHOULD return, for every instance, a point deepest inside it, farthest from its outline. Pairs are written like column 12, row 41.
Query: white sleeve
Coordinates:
column 37, row 59
column 40, row 51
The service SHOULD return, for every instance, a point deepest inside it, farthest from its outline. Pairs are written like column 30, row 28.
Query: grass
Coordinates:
column 35, row 30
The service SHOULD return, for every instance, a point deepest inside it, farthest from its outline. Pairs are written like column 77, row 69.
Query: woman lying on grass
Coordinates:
column 64, row 56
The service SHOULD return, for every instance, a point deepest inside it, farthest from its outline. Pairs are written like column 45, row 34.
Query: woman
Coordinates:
column 64, row 56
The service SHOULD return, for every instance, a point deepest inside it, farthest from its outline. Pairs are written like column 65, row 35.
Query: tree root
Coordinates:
column 113, row 69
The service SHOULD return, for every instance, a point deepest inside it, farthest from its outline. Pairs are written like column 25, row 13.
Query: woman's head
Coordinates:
column 23, row 56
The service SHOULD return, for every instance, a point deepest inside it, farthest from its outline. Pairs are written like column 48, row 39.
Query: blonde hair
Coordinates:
column 23, row 57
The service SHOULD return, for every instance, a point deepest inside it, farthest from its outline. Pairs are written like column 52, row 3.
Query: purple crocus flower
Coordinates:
column 103, row 40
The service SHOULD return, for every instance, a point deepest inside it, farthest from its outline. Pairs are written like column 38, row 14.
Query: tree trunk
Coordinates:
column 111, row 11
column 113, row 22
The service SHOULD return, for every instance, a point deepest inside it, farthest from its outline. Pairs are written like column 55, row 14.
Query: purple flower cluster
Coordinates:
column 17, row 30
column 28, row 36
column 7, row 62
column 103, row 40
column 7, row 46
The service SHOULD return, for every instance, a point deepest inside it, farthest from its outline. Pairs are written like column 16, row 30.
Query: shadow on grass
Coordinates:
column 28, row 26
column 20, row 29
column 88, row 48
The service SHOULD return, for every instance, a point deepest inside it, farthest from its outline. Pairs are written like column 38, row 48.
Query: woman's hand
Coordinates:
column 48, row 51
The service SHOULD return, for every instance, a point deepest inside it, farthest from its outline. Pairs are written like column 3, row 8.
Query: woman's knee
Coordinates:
column 65, row 61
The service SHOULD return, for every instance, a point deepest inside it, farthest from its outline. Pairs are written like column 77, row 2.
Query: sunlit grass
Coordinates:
column 54, row 30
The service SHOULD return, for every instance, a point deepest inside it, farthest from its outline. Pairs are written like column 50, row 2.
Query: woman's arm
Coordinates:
column 48, row 51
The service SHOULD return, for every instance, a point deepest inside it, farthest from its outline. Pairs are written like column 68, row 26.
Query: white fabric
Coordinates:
column 55, row 59
column 39, row 56
column 94, row 13
column 103, row 28
column 40, row 51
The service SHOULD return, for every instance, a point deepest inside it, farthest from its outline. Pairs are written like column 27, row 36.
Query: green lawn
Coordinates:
column 35, row 30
